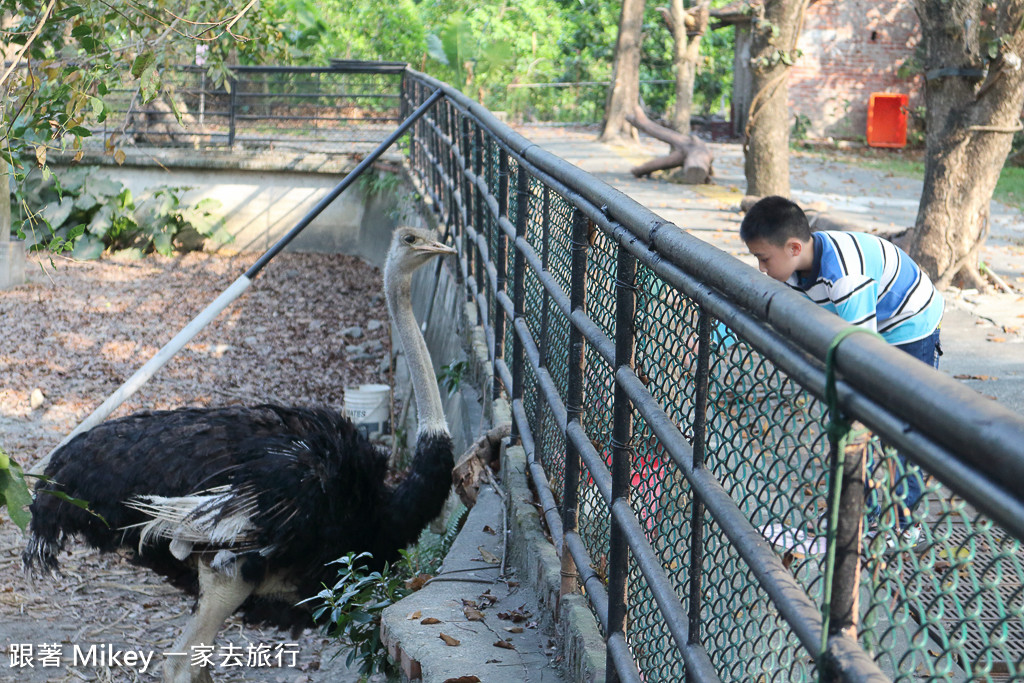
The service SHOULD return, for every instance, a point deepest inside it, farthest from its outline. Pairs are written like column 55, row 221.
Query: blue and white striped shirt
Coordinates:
column 872, row 283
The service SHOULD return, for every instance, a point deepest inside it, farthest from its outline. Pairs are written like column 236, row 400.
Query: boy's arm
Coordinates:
column 856, row 298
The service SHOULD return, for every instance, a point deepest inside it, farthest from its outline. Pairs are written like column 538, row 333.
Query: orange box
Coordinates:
column 887, row 119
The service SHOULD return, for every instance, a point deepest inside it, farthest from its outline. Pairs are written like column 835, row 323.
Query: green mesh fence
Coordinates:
column 728, row 462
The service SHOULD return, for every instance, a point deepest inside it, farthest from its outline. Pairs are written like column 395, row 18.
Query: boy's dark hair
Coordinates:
column 775, row 220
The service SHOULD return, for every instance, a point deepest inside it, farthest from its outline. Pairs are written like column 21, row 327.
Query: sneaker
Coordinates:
column 906, row 539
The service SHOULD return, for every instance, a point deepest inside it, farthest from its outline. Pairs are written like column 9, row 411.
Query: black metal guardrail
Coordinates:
column 670, row 400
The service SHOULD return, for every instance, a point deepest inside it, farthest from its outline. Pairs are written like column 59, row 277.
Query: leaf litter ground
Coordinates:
column 79, row 329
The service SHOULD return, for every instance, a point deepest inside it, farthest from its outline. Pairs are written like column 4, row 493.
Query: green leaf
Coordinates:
column 55, row 213
column 14, row 493
column 81, row 31
column 102, row 221
column 142, row 63
column 101, row 186
column 162, row 243
column 80, row 132
column 77, row 502
column 88, row 248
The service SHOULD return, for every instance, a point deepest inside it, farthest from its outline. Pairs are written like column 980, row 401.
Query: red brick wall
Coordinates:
column 852, row 48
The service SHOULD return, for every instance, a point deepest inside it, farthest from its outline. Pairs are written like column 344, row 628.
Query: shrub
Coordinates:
column 87, row 213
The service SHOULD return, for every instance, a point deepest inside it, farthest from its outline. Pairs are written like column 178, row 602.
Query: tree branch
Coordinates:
column 35, row 33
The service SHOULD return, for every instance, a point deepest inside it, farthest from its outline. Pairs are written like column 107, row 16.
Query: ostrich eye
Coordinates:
column 409, row 239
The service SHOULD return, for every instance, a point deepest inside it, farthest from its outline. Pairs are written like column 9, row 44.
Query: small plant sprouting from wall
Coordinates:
column 378, row 183
column 452, row 375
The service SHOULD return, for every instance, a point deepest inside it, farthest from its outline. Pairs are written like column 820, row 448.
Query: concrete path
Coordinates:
column 982, row 333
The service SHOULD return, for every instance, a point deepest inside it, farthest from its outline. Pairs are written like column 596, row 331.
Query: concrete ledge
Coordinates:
column 580, row 641
column 276, row 160
column 466, row 603
column 12, row 264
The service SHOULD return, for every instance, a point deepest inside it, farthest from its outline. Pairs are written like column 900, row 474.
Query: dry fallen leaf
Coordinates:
column 489, row 530
column 516, row 616
column 998, row 340
column 414, row 615
column 448, row 640
column 417, row 582
column 505, row 645
column 430, row 620
column 489, row 557
column 982, row 377
column 473, row 614
column 463, row 679
column 514, row 629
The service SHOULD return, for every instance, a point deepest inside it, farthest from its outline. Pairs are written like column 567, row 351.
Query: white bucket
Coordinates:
column 369, row 406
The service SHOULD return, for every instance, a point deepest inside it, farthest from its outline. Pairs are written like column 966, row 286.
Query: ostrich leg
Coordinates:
column 219, row 596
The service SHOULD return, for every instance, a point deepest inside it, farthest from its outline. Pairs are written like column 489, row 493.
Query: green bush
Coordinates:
column 353, row 607
column 87, row 214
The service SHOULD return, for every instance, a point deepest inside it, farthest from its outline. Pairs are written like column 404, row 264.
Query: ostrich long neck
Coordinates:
column 421, row 369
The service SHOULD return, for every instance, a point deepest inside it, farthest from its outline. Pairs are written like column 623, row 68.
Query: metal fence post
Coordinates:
column 519, row 288
column 450, row 182
column 844, row 606
column 699, row 443
column 500, row 263
column 574, row 394
column 478, row 214
column 232, row 110
column 413, row 158
column 466, row 191
column 622, row 452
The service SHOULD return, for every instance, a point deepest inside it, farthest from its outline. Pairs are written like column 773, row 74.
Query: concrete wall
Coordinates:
column 262, row 196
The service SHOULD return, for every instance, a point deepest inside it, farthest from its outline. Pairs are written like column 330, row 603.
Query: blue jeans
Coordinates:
column 909, row 486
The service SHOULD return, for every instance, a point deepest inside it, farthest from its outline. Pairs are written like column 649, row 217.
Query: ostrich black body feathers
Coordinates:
column 284, row 490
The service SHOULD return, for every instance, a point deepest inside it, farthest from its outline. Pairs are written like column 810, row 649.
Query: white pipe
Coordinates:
column 143, row 374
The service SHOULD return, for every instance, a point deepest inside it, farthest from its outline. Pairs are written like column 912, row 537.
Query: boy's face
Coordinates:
column 779, row 263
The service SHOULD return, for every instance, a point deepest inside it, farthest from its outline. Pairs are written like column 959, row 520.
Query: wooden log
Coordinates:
column 687, row 151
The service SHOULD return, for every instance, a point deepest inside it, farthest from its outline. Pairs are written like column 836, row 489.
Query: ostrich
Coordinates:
column 245, row 506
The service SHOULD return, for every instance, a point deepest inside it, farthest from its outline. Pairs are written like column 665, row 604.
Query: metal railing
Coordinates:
column 671, row 402
column 347, row 107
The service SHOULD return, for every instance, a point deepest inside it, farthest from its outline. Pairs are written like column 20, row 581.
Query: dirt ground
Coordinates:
column 70, row 337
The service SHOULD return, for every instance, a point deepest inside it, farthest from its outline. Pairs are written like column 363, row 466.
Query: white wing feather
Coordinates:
column 219, row 517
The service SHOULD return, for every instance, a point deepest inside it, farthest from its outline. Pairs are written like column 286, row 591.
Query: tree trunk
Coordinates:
column 687, row 27
column 973, row 102
column 625, row 91
column 687, row 151
column 775, row 27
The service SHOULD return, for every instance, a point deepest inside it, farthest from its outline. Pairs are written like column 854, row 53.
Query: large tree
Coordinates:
column 974, row 92
column 687, row 26
column 625, row 90
column 775, row 27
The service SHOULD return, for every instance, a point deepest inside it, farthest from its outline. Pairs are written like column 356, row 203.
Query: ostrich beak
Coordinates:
column 435, row 248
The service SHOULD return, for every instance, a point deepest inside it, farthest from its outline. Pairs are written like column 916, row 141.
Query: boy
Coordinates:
column 865, row 280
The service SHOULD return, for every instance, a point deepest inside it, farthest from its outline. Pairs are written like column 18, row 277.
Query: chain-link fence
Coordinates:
column 673, row 404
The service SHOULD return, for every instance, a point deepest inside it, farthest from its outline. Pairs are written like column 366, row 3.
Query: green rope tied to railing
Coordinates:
column 838, row 432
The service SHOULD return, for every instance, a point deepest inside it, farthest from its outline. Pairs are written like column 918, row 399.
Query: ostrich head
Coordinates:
column 410, row 249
